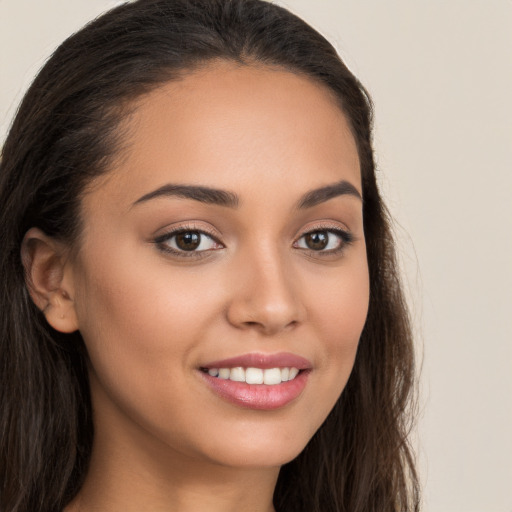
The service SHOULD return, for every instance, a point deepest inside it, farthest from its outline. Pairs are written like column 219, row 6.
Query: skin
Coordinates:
column 164, row 441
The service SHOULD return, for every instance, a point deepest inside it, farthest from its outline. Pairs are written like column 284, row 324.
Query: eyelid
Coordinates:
column 325, row 225
column 171, row 232
column 347, row 238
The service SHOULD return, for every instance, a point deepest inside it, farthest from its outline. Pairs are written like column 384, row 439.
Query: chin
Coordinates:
column 259, row 448
column 255, row 458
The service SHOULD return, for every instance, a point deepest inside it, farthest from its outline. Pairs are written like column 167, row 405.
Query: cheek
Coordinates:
column 341, row 303
column 123, row 295
column 139, row 323
column 345, row 315
column 340, row 315
column 142, row 327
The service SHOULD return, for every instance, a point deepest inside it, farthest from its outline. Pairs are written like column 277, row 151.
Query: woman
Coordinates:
column 200, row 307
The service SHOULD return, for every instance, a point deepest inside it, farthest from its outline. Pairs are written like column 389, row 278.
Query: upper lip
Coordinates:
column 264, row 361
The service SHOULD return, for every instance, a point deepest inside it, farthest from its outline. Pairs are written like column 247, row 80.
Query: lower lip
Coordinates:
column 258, row 396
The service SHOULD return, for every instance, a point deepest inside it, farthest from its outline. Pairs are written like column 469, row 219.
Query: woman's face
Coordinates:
column 228, row 236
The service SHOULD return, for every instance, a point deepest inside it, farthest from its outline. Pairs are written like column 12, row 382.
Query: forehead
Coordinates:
column 225, row 124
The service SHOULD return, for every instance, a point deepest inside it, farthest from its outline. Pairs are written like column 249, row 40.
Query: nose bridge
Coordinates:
column 265, row 295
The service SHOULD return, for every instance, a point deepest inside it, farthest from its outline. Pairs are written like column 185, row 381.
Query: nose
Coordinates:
column 265, row 297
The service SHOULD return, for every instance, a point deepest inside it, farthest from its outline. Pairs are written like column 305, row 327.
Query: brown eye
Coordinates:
column 317, row 240
column 188, row 240
column 325, row 241
column 181, row 242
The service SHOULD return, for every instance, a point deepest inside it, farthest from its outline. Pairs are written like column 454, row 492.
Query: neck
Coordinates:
column 115, row 484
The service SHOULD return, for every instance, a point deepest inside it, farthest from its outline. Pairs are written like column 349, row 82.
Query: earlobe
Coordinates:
column 60, row 312
column 50, row 285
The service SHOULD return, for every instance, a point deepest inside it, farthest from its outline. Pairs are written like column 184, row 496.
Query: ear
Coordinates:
column 49, row 279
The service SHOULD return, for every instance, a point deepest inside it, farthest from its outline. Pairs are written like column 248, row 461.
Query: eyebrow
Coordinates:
column 323, row 194
column 231, row 200
column 197, row 193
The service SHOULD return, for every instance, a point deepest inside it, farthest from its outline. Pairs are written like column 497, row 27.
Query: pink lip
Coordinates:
column 259, row 396
column 264, row 361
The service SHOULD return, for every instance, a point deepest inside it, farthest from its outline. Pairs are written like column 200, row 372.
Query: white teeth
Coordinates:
column 293, row 373
column 237, row 374
column 270, row 376
column 224, row 373
column 254, row 376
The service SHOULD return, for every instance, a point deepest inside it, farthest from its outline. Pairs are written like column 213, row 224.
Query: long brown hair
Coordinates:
column 66, row 133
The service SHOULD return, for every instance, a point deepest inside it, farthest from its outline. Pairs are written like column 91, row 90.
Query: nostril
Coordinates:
column 269, row 327
column 268, row 311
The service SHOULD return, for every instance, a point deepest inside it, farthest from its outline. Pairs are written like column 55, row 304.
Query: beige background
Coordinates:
column 440, row 72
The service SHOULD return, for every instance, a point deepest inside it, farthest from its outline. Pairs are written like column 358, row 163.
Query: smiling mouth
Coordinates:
column 250, row 375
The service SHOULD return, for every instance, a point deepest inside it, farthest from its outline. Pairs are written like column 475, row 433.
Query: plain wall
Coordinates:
column 440, row 73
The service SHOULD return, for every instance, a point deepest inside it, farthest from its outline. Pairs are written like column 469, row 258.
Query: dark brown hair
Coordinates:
column 66, row 133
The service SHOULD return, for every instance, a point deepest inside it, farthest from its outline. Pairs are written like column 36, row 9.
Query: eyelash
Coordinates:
column 163, row 240
column 346, row 239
